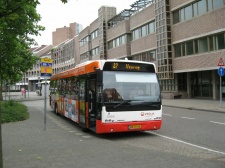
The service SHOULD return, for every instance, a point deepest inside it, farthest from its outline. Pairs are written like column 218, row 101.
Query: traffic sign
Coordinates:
column 48, row 60
column 46, row 67
column 221, row 71
column 46, row 75
column 46, row 64
column 221, row 63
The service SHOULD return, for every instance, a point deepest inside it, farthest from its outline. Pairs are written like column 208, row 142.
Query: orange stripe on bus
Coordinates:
column 88, row 68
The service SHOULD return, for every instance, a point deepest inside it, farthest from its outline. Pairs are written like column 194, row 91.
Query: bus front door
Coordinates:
column 87, row 103
column 91, row 102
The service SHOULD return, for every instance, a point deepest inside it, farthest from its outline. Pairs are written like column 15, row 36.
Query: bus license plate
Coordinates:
column 134, row 127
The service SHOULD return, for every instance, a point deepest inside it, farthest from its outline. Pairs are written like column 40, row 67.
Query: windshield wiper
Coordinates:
column 125, row 101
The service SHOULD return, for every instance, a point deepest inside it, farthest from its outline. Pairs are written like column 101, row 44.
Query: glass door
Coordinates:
column 201, row 84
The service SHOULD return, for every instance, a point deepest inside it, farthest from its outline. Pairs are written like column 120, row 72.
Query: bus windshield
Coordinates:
column 135, row 90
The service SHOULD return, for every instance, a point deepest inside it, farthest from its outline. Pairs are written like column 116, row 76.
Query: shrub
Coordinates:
column 13, row 111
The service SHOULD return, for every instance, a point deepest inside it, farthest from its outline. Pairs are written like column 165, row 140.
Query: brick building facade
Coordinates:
column 184, row 38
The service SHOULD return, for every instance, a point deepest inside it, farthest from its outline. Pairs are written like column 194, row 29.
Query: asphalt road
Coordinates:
column 187, row 140
column 202, row 128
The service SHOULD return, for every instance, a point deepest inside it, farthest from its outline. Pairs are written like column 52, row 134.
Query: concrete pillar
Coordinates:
column 188, row 84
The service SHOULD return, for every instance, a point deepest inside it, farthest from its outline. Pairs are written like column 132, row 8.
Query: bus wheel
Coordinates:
column 84, row 129
column 56, row 110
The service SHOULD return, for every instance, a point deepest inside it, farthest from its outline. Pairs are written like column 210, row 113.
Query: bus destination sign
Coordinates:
column 125, row 66
column 129, row 66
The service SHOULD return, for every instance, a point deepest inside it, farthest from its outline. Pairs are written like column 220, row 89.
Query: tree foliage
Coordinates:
column 18, row 23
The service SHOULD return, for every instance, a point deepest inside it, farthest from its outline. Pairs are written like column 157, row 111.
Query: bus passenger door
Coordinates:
column 91, row 86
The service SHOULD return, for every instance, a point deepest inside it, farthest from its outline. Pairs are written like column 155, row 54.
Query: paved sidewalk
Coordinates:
column 30, row 96
column 196, row 104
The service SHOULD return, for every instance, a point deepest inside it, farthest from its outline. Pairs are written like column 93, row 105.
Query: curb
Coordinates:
column 194, row 108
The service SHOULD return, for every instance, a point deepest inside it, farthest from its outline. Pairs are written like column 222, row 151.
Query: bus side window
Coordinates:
column 56, row 85
column 67, row 86
column 73, row 88
column 59, row 86
column 63, row 86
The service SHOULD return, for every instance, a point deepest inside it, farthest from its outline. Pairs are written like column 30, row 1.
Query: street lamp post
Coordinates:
column 24, row 80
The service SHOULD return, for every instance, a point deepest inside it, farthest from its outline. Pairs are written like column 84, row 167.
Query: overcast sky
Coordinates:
column 55, row 14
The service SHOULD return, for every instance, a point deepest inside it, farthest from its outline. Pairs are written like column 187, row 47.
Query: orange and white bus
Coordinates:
column 108, row 96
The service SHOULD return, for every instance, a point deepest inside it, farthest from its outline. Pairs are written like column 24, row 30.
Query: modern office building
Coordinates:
column 63, row 56
column 64, row 33
column 184, row 38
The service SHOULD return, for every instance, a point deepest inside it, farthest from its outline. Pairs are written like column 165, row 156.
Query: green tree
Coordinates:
column 18, row 23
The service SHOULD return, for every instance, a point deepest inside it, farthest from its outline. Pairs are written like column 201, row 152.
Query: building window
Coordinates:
column 217, row 4
column 202, row 7
column 117, row 41
column 176, row 17
column 190, row 48
column 183, row 49
column 151, row 27
column 188, row 12
column 177, row 50
column 220, row 44
column 114, row 43
column 123, row 39
column 210, row 5
column 195, row 9
column 136, row 34
column 203, row 46
column 143, row 30
column 94, row 34
column 196, row 46
column 211, row 46
column 182, row 15
column 152, row 56
column 110, row 45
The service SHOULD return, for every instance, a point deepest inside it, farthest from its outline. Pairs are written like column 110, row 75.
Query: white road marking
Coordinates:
column 188, row 118
column 190, row 144
column 217, row 122
column 72, row 131
column 167, row 114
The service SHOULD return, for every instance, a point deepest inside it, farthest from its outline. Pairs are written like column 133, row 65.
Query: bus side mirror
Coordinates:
column 99, row 74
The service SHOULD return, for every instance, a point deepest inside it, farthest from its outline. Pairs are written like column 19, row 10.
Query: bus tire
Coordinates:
column 56, row 109
column 84, row 129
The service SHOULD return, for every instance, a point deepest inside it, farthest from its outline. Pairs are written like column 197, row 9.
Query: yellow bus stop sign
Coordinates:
column 46, row 67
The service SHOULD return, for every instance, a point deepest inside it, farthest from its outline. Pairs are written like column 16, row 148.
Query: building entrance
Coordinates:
column 201, row 84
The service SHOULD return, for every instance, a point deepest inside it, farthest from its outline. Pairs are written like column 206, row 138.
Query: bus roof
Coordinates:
column 90, row 66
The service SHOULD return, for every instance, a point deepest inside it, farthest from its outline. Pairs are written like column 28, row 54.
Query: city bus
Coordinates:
column 108, row 96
